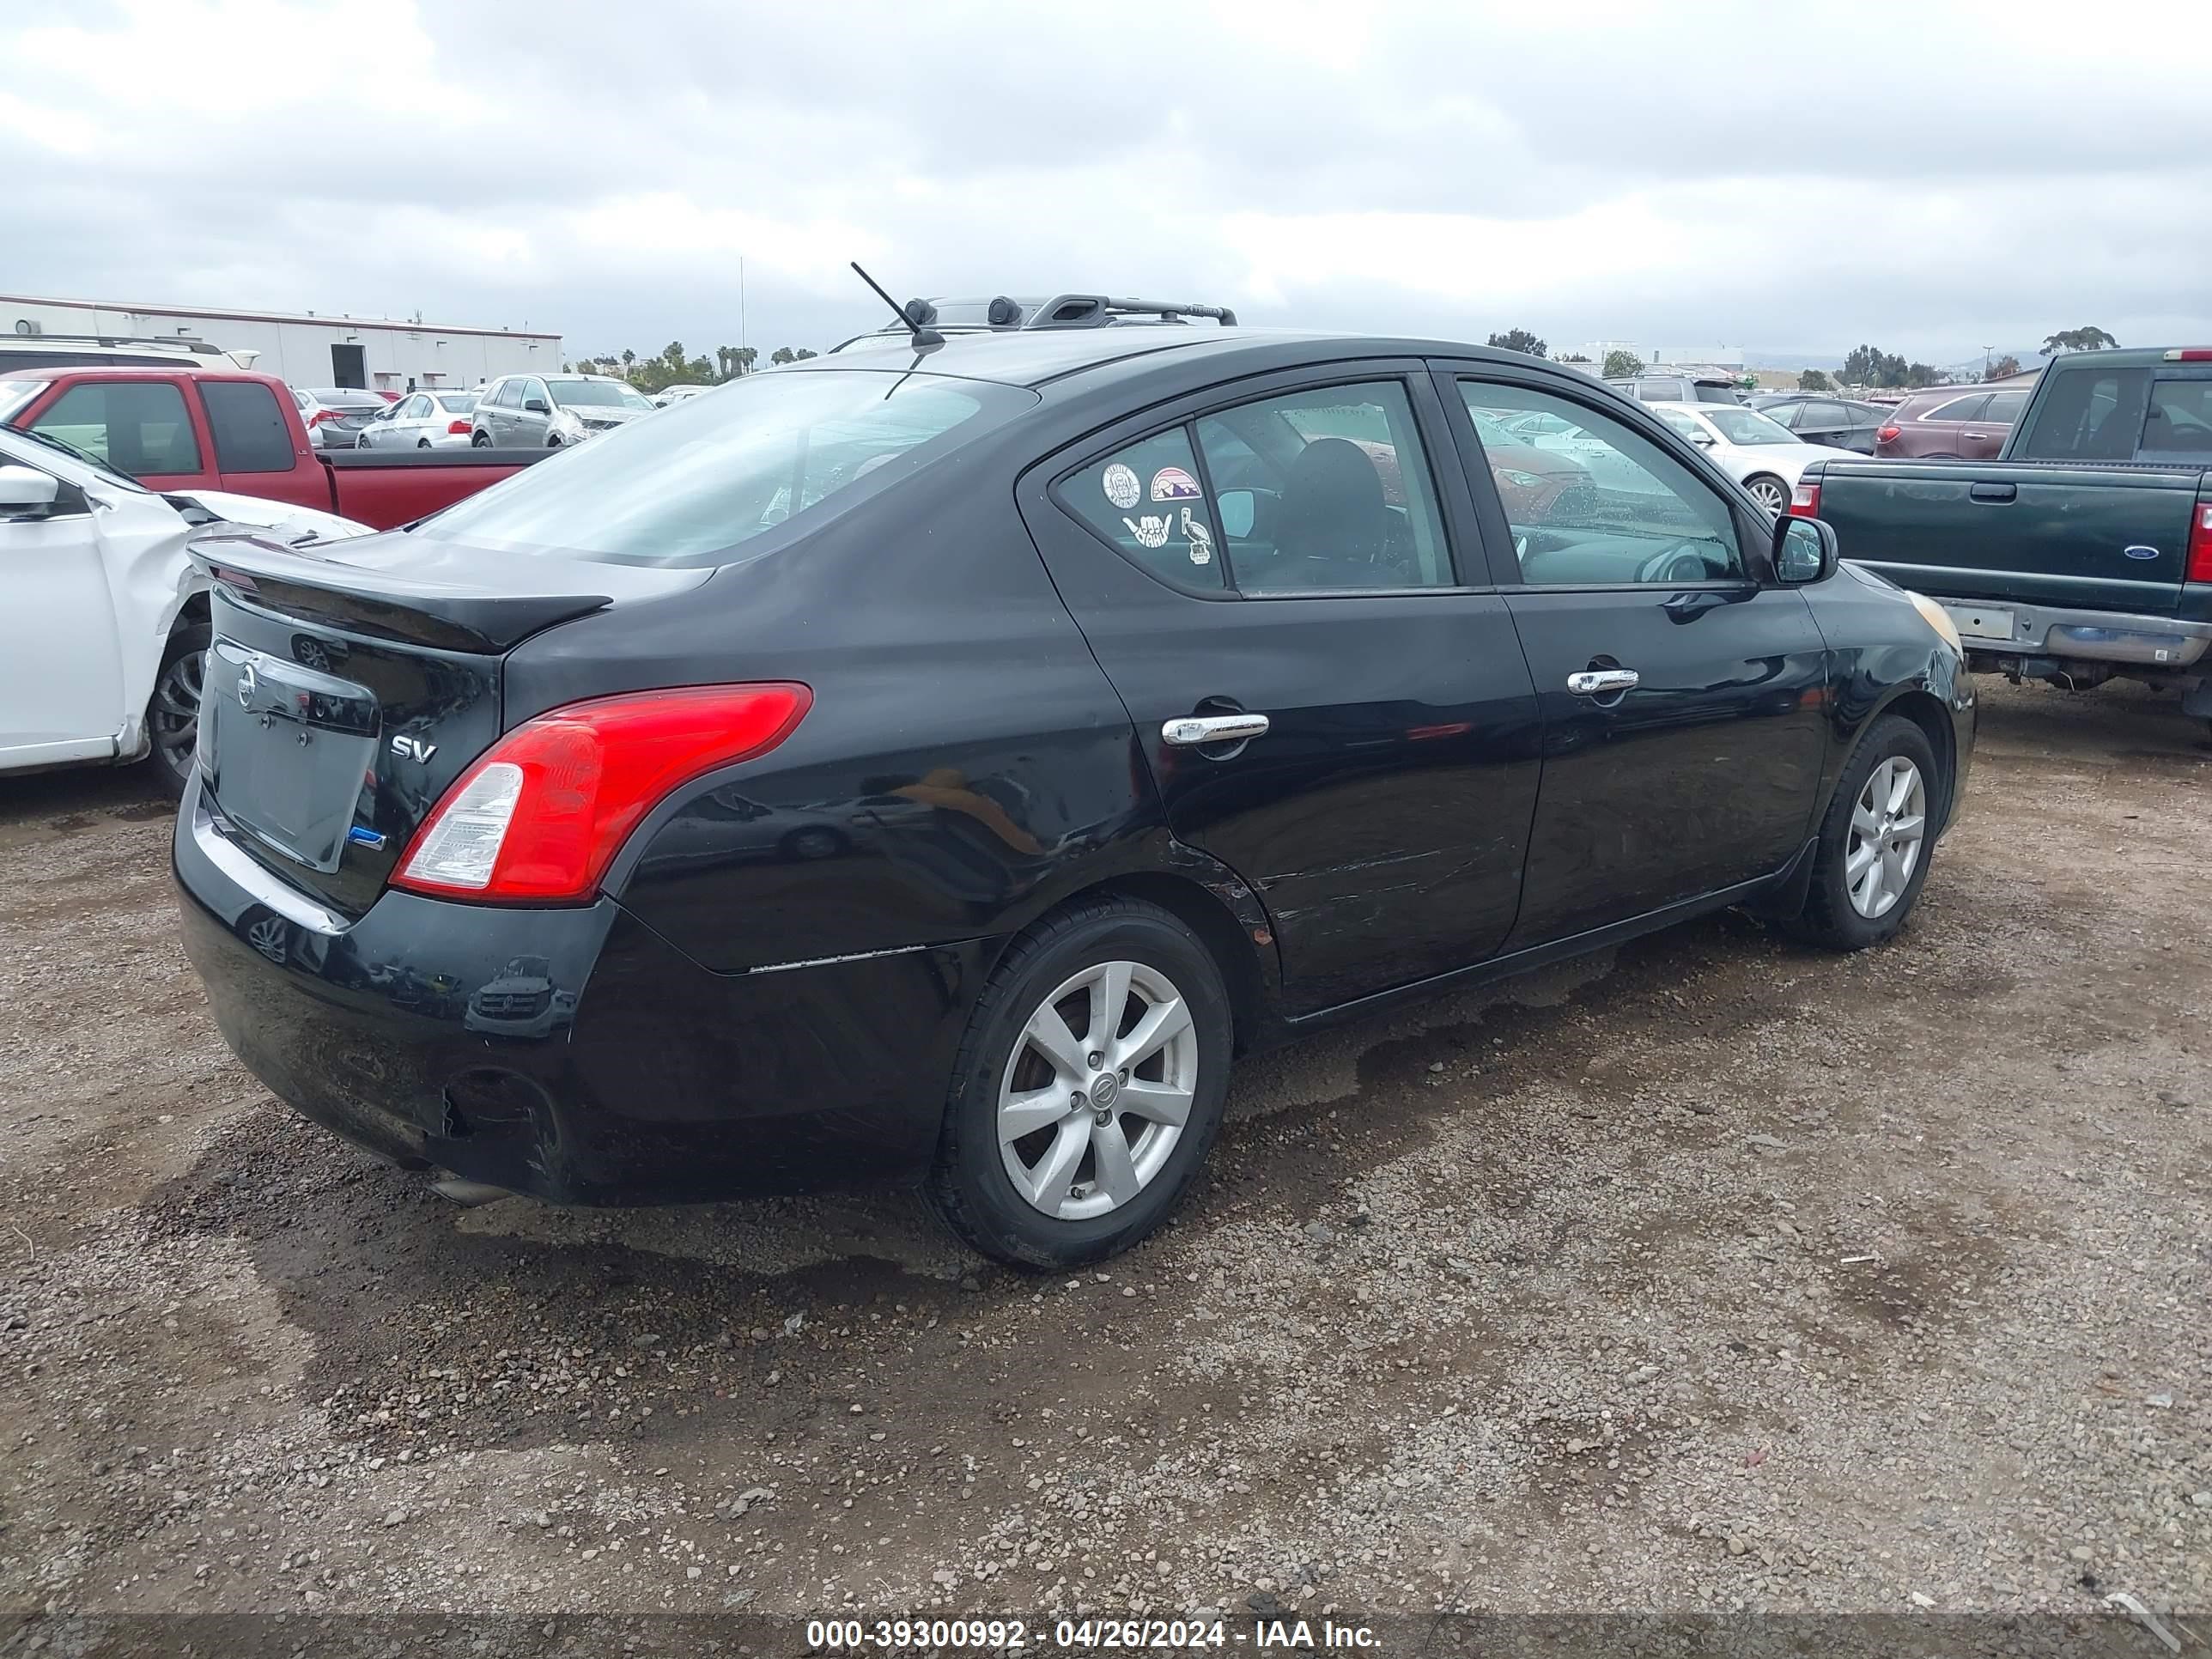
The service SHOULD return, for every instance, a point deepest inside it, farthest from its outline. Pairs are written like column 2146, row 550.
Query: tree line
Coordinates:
column 1865, row 365
column 672, row 365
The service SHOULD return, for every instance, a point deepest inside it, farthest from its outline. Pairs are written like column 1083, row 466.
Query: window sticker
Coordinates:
column 1153, row 529
column 1202, row 538
column 1172, row 483
column 1122, row 487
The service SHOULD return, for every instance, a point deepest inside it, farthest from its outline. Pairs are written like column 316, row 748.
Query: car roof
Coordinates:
column 1034, row 357
column 179, row 371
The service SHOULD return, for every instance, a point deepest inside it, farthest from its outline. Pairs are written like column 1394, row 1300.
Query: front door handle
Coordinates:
column 1994, row 492
column 1193, row 730
column 1602, row 682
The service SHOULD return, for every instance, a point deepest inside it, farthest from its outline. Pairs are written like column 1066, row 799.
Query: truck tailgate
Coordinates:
column 2094, row 537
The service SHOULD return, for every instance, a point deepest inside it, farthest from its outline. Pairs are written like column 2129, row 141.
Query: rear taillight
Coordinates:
column 1805, row 500
column 541, row 815
column 456, row 429
column 2199, row 567
column 1888, row 434
column 322, row 415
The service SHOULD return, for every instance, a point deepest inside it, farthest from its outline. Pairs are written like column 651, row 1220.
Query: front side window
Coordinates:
column 694, row 483
column 138, row 426
column 1626, row 510
column 1146, row 499
column 1326, row 490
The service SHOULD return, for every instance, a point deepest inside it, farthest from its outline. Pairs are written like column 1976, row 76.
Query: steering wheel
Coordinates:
column 1679, row 564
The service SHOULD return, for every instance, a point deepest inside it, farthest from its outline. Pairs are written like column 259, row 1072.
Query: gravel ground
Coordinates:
column 1708, row 1274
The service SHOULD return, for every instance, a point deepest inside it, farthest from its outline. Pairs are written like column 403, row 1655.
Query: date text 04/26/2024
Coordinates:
column 1081, row 1635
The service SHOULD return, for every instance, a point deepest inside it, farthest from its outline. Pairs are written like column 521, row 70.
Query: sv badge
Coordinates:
column 413, row 749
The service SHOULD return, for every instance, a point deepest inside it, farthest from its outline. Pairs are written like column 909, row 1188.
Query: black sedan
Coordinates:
column 941, row 765
column 1824, row 418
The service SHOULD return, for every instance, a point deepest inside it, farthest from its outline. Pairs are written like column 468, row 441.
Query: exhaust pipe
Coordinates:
column 468, row 1193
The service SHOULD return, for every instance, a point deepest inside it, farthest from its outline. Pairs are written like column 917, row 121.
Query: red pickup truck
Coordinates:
column 191, row 428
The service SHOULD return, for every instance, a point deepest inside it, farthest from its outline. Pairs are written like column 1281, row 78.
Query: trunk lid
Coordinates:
column 349, row 684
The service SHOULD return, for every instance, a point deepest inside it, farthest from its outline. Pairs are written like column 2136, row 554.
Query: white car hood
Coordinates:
column 1784, row 461
column 291, row 523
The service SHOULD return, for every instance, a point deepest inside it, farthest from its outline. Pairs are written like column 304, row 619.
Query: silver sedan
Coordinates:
column 422, row 420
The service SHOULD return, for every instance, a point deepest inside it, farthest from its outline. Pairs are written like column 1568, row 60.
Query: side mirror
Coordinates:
column 535, row 405
column 1239, row 509
column 1804, row 551
column 27, row 489
column 1702, row 440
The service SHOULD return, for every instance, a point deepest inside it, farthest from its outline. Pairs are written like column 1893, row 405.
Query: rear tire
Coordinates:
column 1770, row 492
column 1113, row 1142
column 480, row 440
column 1877, row 839
column 422, row 443
column 173, row 714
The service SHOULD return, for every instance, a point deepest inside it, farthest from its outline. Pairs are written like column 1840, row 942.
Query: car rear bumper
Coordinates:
column 2051, row 630
column 570, row 1054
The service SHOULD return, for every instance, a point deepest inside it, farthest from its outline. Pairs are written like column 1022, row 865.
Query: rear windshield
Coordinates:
column 455, row 403
column 338, row 397
column 695, row 483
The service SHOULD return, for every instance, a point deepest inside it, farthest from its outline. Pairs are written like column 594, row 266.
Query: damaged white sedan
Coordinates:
column 105, row 621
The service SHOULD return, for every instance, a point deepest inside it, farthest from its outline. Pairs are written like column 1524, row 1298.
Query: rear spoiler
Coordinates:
column 304, row 584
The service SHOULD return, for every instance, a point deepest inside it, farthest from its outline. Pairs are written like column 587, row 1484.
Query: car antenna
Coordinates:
column 916, row 315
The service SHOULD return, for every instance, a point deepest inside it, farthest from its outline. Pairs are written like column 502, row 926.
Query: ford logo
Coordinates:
column 2140, row 552
column 247, row 682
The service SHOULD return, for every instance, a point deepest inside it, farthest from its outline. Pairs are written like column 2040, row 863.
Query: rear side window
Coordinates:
column 1327, row 489
column 1958, row 408
column 138, row 426
column 1146, row 499
column 2089, row 415
column 2004, row 407
column 706, row 475
column 250, row 433
column 2179, row 419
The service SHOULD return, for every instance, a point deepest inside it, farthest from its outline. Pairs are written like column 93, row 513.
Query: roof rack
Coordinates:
column 173, row 342
column 1095, row 310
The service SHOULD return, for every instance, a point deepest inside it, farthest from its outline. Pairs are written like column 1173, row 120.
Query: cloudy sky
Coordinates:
column 1933, row 178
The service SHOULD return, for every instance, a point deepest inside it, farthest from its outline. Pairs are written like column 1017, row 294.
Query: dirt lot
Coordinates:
column 1711, row 1273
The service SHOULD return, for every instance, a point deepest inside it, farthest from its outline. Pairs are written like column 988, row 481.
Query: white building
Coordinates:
column 305, row 350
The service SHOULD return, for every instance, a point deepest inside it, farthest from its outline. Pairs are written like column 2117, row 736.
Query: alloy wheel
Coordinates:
column 1097, row 1090
column 177, row 710
column 1770, row 495
column 1889, row 822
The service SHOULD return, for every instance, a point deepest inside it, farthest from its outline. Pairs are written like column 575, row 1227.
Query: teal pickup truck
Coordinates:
column 2083, row 552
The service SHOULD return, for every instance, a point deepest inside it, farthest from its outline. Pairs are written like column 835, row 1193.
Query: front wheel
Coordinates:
column 1875, row 840
column 172, row 714
column 1770, row 492
column 1089, row 1087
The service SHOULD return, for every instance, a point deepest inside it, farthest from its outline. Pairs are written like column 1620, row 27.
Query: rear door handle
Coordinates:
column 1994, row 492
column 1193, row 730
column 1600, row 682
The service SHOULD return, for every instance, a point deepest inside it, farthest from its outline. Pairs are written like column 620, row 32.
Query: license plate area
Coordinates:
column 1991, row 623
column 289, row 751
